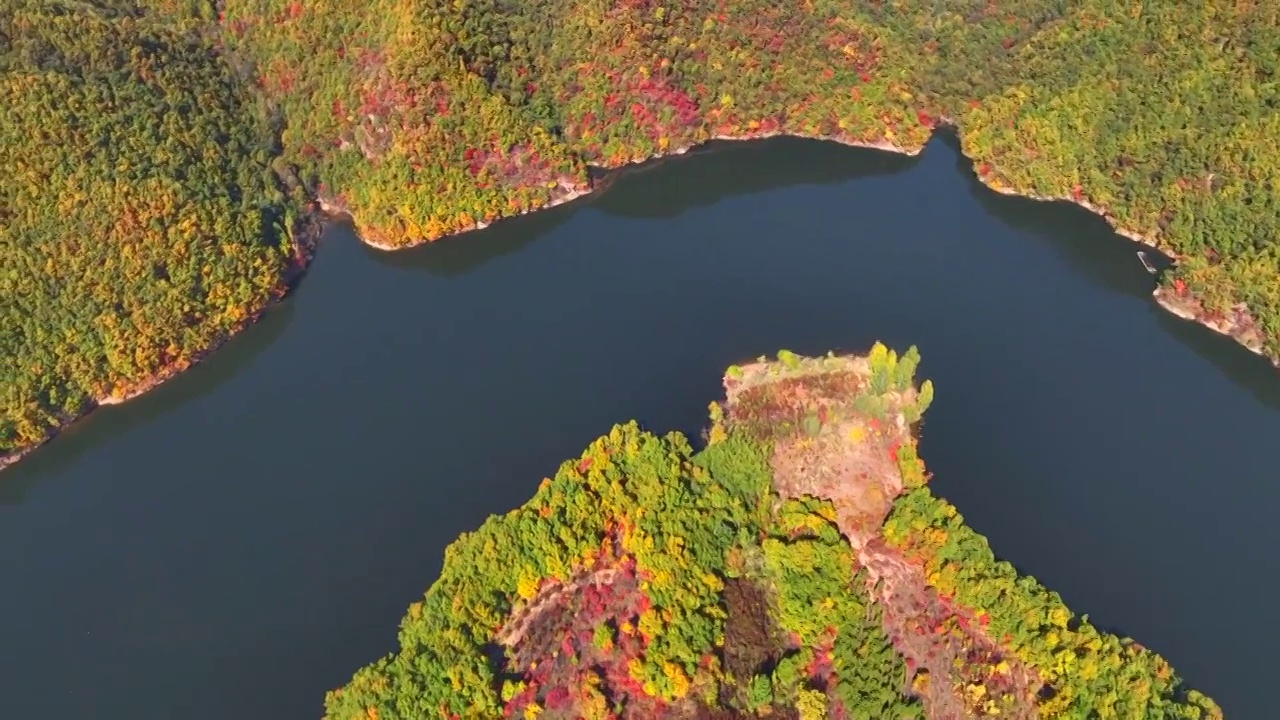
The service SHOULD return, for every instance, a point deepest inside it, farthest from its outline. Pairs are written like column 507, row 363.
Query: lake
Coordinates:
column 248, row 535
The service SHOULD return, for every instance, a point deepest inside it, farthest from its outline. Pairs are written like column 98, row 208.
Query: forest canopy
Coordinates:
column 796, row 567
column 139, row 219
column 158, row 153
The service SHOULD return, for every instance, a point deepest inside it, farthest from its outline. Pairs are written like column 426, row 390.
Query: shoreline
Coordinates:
column 306, row 233
column 1240, row 327
column 565, row 194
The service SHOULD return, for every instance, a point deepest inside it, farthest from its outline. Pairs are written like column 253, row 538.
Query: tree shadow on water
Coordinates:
column 458, row 255
column 723, row 169
column 661, row 188
column 1093, row 248
column 1082, row 238
column 106, row 425
column 1252, row 373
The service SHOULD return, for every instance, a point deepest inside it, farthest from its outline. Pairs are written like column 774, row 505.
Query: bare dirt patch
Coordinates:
column 836, row 425
column 833, row 436
column 954, row 666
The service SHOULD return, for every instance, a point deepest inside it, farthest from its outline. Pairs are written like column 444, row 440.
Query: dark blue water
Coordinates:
column 244, row 538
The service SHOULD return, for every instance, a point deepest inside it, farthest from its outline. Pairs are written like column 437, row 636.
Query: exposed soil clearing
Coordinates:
column 836, row 429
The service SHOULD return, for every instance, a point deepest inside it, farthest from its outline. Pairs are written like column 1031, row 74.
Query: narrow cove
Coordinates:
column 243, row 538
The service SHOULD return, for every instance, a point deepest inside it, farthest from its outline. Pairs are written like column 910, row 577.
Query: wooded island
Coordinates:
column 796, row 567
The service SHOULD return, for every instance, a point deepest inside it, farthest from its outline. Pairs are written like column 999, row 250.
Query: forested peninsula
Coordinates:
column 796, row 567
column 164, row 161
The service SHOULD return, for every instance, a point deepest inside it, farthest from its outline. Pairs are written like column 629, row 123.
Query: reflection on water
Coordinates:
column 460, row 254
column 1081, row 237
column 245, row 550
column 106, row 424
column 1251, row 373
column 723, row 169
column 1088, row 242
column 707, row 175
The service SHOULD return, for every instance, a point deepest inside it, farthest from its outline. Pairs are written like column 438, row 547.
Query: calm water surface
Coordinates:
column 247, row 536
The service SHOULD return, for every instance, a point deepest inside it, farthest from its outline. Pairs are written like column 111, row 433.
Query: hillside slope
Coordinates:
column 140, row 222
column 1159, row 117
column 192, row 134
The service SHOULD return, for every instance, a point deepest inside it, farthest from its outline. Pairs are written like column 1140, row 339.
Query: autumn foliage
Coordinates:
column 140, row 222
column 649, row 581
column 158, row 153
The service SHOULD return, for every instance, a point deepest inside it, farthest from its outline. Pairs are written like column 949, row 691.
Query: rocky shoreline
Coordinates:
column 565, row 193
column 1239, row 326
